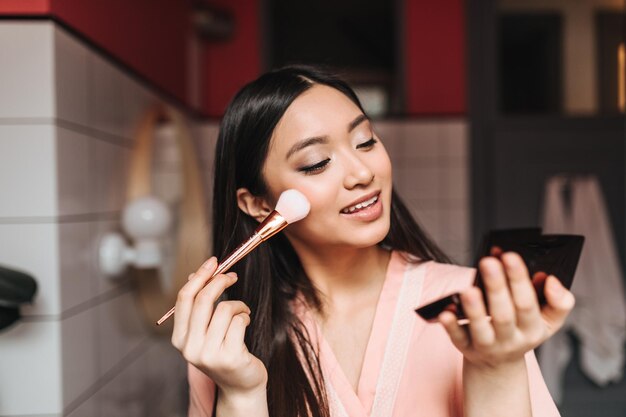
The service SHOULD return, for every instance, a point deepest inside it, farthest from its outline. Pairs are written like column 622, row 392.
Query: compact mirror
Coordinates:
column 544, row 255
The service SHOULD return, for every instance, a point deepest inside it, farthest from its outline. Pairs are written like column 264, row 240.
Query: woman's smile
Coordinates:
column 367, row 208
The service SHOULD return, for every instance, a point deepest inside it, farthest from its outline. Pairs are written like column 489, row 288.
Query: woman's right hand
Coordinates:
column 211, row 336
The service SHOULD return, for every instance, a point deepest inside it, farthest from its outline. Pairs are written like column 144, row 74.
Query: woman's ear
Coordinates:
column 252, row 205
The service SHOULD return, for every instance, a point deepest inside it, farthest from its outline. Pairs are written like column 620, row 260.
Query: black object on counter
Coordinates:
column 16, row 288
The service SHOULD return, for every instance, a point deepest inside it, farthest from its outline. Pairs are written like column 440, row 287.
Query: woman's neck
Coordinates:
column 343, row 274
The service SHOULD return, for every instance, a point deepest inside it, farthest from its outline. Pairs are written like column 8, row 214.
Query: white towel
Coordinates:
column 599, row 318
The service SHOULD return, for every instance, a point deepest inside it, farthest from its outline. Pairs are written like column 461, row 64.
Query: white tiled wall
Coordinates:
column 29, row 49
column 66, row 122
column 431, row 171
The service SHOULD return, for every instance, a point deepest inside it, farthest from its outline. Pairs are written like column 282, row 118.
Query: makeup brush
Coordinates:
column 292, row 206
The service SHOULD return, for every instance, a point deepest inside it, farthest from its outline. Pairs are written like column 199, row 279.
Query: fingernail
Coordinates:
column 490, row 266
column 554, row 285
column 210, row 263
column 441, row 318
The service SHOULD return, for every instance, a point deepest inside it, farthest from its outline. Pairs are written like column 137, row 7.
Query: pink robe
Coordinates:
column 411, row 368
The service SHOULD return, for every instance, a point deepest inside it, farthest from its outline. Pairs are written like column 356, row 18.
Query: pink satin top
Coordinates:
column 411, row 368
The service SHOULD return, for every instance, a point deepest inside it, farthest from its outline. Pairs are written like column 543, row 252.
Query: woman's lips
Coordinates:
column 369, row 213
column 361, row 200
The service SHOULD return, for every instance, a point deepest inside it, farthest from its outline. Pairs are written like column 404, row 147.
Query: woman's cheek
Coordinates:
column 384, row 164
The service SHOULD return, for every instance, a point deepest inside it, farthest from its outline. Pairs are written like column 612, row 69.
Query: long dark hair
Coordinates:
column 272, row 275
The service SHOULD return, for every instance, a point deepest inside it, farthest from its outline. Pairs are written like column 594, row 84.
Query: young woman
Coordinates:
column 319, row 320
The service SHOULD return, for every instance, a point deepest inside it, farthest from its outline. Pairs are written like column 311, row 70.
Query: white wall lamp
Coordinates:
column 169, row 240
column 146, row 220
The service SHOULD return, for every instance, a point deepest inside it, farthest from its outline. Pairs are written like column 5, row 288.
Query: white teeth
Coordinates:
column 361, row 205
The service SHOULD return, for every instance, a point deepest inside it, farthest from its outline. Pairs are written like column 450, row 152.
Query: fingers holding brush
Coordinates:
column 194, row 303
column 186, row 297
column 203, row 312
column 210, row 334
column 222, row 320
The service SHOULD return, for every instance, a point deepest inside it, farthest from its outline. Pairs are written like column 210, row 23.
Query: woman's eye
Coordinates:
column 367, row 144
column 311, row 169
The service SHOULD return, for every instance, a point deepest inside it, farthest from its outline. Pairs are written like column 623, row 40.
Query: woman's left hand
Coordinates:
column 517, row 323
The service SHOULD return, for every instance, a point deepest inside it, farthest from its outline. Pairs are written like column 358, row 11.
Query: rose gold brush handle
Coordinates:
column 273, row 224
column 241, row 251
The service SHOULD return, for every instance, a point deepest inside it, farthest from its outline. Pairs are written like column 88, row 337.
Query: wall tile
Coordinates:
column 29, row 359
column 205, row 135
column 136, row 100
column 120, row 330
column 422, row 139
column 428, row 219
column 74, row 172
column 78, row 354
column 456, row 224
column 75, row 254
column 149, row 385
column 454, row 138
column 109, row 176
column 52, row 167
column 431, row 174
column 39, row 415
column 26, row 85
column 34, row 249
column 27, row 171
column 455, row 184
column 164, row 377
column 391, row 133
column 89, row 408
column 459, row 251
column 71, row 78
column 419, row 182
column 109, row 399
column 105, row 96
column 138, row 380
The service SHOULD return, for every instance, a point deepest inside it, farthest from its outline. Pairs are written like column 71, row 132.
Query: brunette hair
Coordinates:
column 272, row 275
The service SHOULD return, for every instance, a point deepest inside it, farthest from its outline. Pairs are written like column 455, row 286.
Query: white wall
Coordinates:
column 430, row 160
column 66, row 122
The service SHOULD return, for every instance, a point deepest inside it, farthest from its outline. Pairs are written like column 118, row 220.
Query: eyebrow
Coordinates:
column 360, row 119
column 317, row 140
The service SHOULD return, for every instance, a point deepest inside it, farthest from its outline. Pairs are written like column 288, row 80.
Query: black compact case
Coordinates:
column 544, row 255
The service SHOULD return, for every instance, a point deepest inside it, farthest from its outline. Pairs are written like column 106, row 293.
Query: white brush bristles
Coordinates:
column 293, row 205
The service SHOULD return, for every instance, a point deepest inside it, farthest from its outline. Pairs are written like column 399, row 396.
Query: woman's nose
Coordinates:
column 357, row 173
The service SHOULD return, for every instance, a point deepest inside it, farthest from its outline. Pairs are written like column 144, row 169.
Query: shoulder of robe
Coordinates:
column 443, row 279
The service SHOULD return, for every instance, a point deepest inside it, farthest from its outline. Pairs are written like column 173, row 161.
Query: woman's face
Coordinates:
column 325, row 147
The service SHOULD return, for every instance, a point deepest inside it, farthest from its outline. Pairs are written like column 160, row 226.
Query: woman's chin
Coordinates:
column 368, row 236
